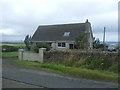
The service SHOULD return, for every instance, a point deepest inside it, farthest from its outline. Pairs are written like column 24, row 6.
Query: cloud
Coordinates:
column 22, row 17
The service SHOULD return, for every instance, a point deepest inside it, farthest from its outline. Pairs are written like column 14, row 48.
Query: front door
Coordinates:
column 71, row 46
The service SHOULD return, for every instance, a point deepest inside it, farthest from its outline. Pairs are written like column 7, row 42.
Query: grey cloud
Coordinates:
column 68, row 11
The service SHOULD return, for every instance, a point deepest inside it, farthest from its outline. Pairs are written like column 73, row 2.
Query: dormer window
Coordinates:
column 66, row 33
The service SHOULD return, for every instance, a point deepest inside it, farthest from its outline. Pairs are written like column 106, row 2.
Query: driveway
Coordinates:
column 46, row 79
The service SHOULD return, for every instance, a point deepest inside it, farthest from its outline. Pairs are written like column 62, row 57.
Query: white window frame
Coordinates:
column 61, row 45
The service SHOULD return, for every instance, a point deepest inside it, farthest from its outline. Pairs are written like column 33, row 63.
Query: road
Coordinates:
column 16, row 84
column 34, row 77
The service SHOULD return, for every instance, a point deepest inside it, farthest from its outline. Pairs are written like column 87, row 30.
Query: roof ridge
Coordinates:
column 61, row 24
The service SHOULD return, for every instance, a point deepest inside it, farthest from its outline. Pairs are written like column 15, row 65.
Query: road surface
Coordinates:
column 34, row 77
column 16, row 84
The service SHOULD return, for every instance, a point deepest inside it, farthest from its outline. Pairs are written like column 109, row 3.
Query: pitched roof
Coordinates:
column 56, row 32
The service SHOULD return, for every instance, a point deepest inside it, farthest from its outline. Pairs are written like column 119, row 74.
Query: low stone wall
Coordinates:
column 49, row 56
column 77, row 55
column 30, row 56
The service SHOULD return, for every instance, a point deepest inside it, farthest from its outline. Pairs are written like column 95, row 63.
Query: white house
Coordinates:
column 62, row 36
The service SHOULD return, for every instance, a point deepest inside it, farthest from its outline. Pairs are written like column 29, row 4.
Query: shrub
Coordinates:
column 6, row 48
column 41, row 45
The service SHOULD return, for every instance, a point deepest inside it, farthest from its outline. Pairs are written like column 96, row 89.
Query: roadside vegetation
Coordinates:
column 82, row 72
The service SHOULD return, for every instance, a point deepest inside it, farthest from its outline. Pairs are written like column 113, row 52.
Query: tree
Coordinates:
column 27, row 42
column 81, row 41
column 96, row 43
column 41, row 45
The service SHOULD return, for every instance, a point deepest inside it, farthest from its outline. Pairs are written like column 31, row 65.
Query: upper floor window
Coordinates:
column 66, row 33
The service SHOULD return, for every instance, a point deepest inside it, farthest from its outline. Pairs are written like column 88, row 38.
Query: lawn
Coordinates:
column 84, row 73
column 9, row 54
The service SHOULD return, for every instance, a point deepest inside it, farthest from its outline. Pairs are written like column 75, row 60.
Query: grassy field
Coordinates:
column 16, row 45
column 9, row 54
column 84, row 73
column 14, row 53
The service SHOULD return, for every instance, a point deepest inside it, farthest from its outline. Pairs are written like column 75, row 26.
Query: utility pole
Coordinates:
column 104, row 38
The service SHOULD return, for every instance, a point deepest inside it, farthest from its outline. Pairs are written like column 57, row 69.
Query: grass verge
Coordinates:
column 84, row 73
column 9, row 54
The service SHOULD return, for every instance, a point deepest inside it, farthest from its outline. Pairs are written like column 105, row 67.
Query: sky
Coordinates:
column 19, row 18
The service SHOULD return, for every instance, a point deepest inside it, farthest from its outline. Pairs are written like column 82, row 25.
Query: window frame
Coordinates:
column 62, row 45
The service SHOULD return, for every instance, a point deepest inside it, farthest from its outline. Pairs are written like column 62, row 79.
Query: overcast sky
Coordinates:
column 22, row 17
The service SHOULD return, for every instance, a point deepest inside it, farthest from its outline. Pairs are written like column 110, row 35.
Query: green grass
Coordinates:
column 9, row 54
column 84, row 73
column 16, row 45
column 12, row 54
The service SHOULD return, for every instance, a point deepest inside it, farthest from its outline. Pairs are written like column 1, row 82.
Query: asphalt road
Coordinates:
column 16, row 84
column 45, row 79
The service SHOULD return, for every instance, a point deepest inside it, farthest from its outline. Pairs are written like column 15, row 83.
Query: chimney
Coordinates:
column 86, row 21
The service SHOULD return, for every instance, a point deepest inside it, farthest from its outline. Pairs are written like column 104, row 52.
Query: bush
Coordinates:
column 41, row 45
column 6, row 48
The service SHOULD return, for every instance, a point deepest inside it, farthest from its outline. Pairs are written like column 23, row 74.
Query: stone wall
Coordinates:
column 59, row 55
column 30, row 56
column 77, row 55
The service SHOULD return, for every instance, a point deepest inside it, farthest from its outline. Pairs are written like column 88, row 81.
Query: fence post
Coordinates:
column 20, row 55
column 41, row 53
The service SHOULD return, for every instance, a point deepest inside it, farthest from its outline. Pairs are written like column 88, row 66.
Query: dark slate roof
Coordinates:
column 56, row 32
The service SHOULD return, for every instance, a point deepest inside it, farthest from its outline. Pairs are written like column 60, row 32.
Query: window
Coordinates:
column 61, row 45
column 66, row 33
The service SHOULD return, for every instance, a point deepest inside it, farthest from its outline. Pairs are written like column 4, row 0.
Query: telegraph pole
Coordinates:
column 104, row 38
column 104, row 35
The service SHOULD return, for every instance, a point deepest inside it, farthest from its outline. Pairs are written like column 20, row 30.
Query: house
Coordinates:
column 62, row 36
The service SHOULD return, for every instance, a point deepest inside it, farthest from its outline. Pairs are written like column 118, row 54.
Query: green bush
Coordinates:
column 41, row 45
column 6, row 48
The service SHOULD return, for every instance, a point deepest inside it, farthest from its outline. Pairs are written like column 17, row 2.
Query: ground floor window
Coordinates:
column 61, row 45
